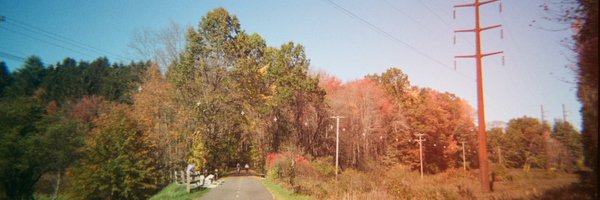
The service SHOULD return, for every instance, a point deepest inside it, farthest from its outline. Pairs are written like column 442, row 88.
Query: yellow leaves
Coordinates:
column 263, row 70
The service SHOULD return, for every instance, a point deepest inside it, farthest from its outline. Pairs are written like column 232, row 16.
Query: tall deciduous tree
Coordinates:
column 446, row 120
column 202, row 86
column 117, row 160
column 153, row 111
column 570, row 139
column 62, row 137
column 587, row 75
column 229, row 87
column 366, row 109
column 525, row 144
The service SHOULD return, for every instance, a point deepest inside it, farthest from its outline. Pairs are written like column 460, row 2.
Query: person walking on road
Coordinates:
column 247, row 167
column 238, row 168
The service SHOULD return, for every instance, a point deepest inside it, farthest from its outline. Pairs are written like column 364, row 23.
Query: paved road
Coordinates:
column 239, row 188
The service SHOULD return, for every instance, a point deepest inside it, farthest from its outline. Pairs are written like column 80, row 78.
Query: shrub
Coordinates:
column 401, row 183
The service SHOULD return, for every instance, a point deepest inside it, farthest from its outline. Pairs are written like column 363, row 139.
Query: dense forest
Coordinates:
column 102, row 130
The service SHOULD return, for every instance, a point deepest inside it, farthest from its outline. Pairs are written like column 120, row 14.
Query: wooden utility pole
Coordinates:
column 337, row 143
column 483, row 157
column 499, row 156
column 463, row 155
column 566, row 133
column 543, row 114
column 420, row 141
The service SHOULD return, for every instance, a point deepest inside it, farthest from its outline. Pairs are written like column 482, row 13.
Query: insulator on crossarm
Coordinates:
column 454, row 39
column 503, row 62
column 454, row 14
column 455, row 65
column 500, row 7
column 501, row 33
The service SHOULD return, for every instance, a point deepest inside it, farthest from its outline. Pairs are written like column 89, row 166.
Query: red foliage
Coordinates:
column 272, row 158
column 88, row 108
column 331, row 84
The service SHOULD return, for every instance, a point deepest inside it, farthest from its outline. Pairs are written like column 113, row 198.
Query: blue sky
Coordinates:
column 414, row 35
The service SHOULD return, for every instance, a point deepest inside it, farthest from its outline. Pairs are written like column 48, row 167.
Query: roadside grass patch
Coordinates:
column 280, row 193
column 174, row 191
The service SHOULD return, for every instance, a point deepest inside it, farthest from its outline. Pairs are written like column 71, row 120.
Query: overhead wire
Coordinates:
column 394, row 7
column 11, row 56
column 390, row 36
column 517, row 60
column 45, row 41
column 443, row 21
column 61, row 39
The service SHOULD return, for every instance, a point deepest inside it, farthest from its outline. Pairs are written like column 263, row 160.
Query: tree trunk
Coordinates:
column 57, row 185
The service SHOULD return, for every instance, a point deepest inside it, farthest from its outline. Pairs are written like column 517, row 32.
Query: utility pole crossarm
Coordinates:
column 490, row 27
column 482, row 55
column 491, row 54
column 486, row 2
column 474, row 4
column 475, row 30
column 468, row 56
column 465, row 30
column 464, row 5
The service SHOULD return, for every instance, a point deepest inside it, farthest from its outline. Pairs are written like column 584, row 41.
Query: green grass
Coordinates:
column 174, row 191
column 280, row 193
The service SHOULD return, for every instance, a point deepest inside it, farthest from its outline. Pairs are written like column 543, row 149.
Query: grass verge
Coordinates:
column 174, row 191
column 280, row 193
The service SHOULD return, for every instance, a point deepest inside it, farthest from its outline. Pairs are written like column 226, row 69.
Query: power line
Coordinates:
column 441, row 19
column 390, row 36
column 12, row 57
column 45, row 41
column 419, row 23
column 61, row 39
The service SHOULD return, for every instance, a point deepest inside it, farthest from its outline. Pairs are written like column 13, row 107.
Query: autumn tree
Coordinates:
column 235, row 93
column 446, row 120
column 153, row 111
column 297, row 100
column 366, row 109
column 203, row 87
column 525, row 144
column 117, row 160
column 587, row 76
column 88, row 108
column 399, row 145
column 571, row 147
column 163, row 47
column 62, row 137
column 582, row 17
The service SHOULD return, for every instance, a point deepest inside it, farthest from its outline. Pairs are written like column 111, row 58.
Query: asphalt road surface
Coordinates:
column 239, row 188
